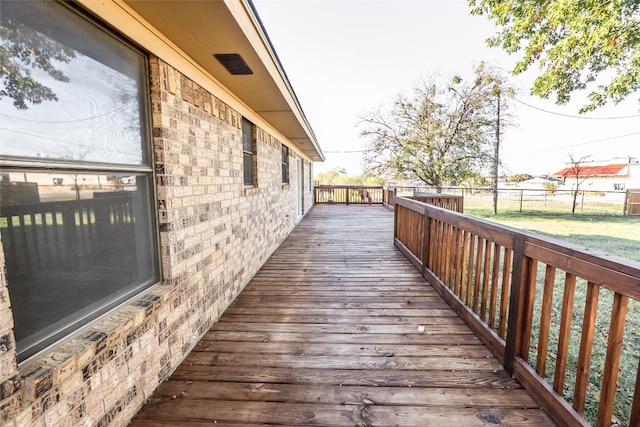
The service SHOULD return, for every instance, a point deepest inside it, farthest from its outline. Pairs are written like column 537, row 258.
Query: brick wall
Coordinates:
column 214, row 236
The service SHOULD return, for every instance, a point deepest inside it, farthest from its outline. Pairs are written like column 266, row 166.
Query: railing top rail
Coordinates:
column 623, row 274
column 432, row 194
column 347, row 186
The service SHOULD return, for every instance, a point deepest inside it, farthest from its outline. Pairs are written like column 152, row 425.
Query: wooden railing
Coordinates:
column 553, row 313
column 388, row 196
column 348, row 194
column 447, row 201
column 36, row 235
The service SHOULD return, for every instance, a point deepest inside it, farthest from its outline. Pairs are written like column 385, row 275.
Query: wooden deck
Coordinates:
column 338, row 329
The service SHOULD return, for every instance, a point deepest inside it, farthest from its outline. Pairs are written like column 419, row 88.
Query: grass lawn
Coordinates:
column 602, row 228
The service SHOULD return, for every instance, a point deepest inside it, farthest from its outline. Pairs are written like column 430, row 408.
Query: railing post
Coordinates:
column 395, row 225
column 516, row 300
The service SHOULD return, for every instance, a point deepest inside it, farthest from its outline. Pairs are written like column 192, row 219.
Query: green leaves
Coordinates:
column 21, row 50
column 441, row 133
column 574, row 42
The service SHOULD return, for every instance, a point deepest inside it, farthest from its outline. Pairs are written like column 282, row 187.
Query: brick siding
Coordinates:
column 214, row 236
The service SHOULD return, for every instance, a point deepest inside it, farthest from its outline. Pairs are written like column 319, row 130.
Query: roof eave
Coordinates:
column 201, row 29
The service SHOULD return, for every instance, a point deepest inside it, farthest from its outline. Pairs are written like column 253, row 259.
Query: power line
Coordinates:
column 67, row 142
column 41, row 137
column 60, row 121
column 346, row 152
column 581, row 143
column 574, row 116
column 599, row 140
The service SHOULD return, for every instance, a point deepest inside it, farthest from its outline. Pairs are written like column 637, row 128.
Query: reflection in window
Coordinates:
column 85, row 103
column 78, row 240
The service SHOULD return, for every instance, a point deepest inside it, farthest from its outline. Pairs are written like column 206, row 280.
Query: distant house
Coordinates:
column 602, row 177
column 165, row 161
column 535, row 185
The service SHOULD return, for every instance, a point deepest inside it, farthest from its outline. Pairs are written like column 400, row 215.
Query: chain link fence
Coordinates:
column 531, row 199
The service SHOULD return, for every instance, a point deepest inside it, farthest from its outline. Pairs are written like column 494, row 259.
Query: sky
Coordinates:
column 348, row 58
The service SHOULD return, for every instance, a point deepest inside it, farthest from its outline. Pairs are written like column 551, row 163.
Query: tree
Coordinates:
column 577, row 170
column 519, row 177
column 441, row 133
column 339, row 176
column 331, row 177
column 573, row 41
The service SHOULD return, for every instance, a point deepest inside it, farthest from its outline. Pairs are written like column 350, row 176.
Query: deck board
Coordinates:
column 338, row 329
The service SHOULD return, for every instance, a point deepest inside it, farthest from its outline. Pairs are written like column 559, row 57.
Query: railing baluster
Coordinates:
column 527, row 309
column 446, row 251
column 495, row 272
column 11, row 241
column 34, row 237
column 470, row 256
column 442, row 251
column 478, row 275
column 545, row 319
column 448, row 234
column 433, row 232
column 439, row 251
column 565, row 332
column 586, row 346
column 44, row 227
column 612, row 361
column 26, row 252
column 485, row 279
column 504, row 296
column 58, row 250
column 460, row 246
column 426, row 241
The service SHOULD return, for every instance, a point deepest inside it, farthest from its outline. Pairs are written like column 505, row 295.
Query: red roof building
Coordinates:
column 603, row 171
column 608, row 177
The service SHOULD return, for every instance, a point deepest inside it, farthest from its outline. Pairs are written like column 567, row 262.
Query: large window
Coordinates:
column 77, row 213
column 248, row 153
column 285, row 164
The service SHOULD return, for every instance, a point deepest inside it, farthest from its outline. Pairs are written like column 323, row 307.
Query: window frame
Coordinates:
column 86, row 314
column 249, row 157
column 285, row 165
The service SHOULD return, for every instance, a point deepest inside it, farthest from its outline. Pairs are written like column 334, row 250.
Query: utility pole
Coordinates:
column 496, row 156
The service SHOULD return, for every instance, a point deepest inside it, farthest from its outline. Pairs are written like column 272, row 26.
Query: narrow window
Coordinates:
column 77, row 215
column 285, row 164
column 248, row 153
